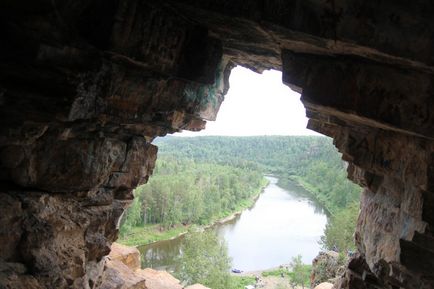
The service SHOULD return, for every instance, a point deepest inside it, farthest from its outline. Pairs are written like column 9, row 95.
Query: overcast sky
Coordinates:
column 257, row 104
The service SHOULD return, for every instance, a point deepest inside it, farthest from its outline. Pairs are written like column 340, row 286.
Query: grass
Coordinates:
column 147, row 234
column 307, row 268
column 239, row 282
column 276, row 273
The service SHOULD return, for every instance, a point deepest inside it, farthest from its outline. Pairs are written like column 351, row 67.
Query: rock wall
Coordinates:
column 86, row 85
column 59, row 231
column 377, row 117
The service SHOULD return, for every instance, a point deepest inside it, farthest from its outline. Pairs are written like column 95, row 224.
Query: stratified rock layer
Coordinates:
column 86, row 85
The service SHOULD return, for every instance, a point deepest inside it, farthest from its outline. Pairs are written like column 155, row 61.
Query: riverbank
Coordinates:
column 272, row 278
column 151, row 233
column 148, row 234
column 309, row 188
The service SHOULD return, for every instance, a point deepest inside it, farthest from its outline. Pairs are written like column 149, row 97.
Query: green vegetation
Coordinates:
column 276, row 272
column 300, row 274
column 239, row 282
column 146, row 234
column 204, row 260
column 340, row 228
column 184, row 192
column 309, row 160
column 200, row 180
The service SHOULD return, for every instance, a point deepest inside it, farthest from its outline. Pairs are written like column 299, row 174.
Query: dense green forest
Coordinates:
column 199, row 180
column 183, row 191
column 312, row 161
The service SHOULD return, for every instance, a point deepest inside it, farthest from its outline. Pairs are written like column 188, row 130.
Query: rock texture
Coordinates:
column 130, row 256
column 122, row 271
column 326, row 267
column 86, row 85
column 324, row 285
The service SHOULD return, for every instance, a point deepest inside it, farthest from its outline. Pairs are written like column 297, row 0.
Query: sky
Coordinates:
column 257, row 104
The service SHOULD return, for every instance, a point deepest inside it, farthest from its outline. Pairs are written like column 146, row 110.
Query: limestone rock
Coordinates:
column 13, row 275
column 130, row 256
column 122, row 271
column 325, row 267
column 324, row 285
column 10, row 226
column 159, row 279
column 117, row 275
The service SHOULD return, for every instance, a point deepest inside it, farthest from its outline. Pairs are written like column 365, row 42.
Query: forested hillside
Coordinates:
column 183, row 191
column 201, row 179
column 310, row 160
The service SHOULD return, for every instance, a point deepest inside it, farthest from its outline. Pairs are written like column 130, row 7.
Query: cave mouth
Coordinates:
column 85, row 88
column 256, row 105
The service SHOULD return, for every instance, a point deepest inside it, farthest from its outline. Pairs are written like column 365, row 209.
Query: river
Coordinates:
column 283, row 223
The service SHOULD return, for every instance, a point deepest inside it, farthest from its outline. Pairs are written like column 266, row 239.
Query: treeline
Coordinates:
column 185, row 191
column 313, row 161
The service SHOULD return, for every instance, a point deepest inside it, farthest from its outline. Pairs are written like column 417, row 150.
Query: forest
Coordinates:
column 313, row 161
column 184, row 191
column 198, row 180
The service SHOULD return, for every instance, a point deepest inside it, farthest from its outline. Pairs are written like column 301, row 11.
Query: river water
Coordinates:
column 283, row 223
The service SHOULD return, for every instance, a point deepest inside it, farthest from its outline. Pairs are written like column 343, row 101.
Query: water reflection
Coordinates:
column 300, row 193
column 283, row 223
column 160, row 255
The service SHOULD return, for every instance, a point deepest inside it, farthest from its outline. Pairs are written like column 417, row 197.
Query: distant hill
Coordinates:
column 313, row 161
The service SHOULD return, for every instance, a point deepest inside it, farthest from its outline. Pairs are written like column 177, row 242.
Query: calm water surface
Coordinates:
column 282, row 224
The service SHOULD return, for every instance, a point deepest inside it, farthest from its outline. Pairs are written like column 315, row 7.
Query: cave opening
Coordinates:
column 258, row 110
column 85, row 87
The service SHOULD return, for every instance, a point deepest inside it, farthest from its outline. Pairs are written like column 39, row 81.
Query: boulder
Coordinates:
column 325, row 267
column 159, row 279
column 117, row 275
column 122, row 271
column 130, row 256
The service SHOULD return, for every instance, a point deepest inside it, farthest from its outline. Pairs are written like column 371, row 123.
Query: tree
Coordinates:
column 204, row 259
column 300, row 272
column 340, row 229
